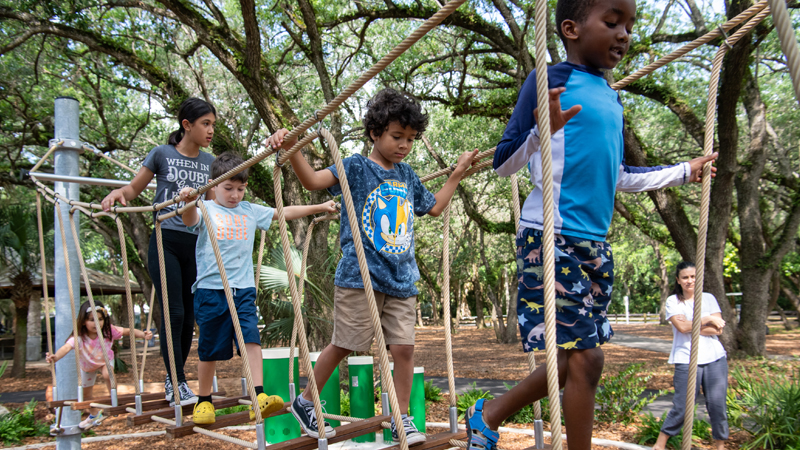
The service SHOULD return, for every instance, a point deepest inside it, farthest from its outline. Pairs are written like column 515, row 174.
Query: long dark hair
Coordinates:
column 85, row 313
column 677, row 290
column 191, row 109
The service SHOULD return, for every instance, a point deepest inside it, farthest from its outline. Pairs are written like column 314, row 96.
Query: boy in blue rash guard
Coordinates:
column 387, row 194
column 588, row 168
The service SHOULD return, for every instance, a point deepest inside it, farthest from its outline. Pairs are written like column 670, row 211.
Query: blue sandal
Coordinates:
column 479, row 436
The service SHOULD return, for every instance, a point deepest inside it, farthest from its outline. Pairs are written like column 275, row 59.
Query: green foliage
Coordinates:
column 3, row 368
column 620, row 396
column 469, row 398
column 432, row 393
column 527, row 413
column 21, row 423
column 344, row 402
column 768, row 407
column 647, row 432
column 231, row 410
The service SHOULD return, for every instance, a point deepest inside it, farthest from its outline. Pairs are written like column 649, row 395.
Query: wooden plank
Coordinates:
column 146, row 406
column 546, row 447
column 121, row 400
column 439, row 441
column 343, row 433
column 227, row 420
column 169, row 412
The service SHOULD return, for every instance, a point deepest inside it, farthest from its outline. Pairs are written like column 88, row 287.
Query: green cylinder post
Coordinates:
column 362, row 395
column 276, row 370
column 330, row 394
column 416, row 403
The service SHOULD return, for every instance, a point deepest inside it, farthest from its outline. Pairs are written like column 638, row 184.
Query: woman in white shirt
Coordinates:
column 712, row 363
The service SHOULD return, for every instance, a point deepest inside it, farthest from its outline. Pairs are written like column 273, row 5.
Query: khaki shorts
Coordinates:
column 352, row 323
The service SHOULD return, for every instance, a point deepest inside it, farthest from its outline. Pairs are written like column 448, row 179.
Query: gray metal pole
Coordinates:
column 66, row 163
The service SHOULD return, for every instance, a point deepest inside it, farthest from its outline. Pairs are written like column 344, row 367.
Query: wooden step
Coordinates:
column 227, row 420
column 440, row 441
column 126, row 399
column 168, row 412
column 343, row 433
column 146, row 406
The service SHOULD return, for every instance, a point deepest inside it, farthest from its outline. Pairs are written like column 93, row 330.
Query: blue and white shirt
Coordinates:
column 588, row 164
column 386, row 202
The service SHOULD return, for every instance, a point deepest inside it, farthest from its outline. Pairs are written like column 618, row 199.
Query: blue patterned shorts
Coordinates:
column 584, row 279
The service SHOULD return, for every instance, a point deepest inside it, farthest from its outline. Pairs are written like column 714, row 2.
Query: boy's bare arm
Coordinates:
column 296, row 212
column 446, row 192
column 311, row 179
column 190, row 216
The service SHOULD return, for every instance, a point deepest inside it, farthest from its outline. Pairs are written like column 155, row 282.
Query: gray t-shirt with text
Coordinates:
column 173, row 172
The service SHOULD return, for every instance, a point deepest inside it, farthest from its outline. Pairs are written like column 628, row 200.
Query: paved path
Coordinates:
column 643, row 343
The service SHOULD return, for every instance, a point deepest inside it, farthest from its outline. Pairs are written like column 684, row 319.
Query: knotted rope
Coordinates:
column 702, row 228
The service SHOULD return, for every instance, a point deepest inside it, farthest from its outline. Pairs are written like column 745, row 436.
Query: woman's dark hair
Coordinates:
column 575, row 10
column 389, row 106
column 191, row 109
column 85, row 313
column 225, row 163
column 677, row 290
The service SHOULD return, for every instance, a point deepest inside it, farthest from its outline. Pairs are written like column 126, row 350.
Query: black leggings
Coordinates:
column 181, row 271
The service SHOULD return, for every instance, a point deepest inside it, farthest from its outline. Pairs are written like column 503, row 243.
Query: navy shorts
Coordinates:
column 216, row 326
column 584, row 279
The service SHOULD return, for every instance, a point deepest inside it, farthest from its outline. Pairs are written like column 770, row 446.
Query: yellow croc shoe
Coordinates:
column 268, row 404
column 204, row 413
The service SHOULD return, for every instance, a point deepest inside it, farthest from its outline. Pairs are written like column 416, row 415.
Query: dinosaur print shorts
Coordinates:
column 584, row 279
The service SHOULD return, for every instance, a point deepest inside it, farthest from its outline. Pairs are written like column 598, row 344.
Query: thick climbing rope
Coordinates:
column 260, row 257
column 788, row 38
column 448, row 322
column 305, row 358
column 176, row 393
column 131, row 319
column 449, row 170
column 537, row 405
column 365, row 276
column 46, row 155
column 97, row 152
column 76, row 337
column 548, row 235
column 226, row 438
column 702, row 228
column 237, row 328
column 706, row 38
column 45, row 287
column 92, row 306
column 147, row 327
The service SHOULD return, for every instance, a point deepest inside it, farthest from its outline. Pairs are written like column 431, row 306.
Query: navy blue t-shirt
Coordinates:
column 384, row 201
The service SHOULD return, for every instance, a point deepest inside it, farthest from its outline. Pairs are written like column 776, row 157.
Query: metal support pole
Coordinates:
column 244, row 386
column 141, row 382
column 138, row 400
column 538, row 430
column 178, row 414
column 66, row 163
column 261, row 437
column 292, row 394
column 453, row 419
column 215, row 384
column 114, row 400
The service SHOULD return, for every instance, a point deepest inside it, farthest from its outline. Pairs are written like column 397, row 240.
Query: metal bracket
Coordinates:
column 385, row 404
column 138, row 400
column 261, row 438
column 178, row 414
column 538, row 431
column 215, row 385
column 114, row 400
column 725, row 35
column 141, row 384
column 453, row 419
column 68, row 144
column 244, row 386
column 80, row 394
column 66, row 431
column 292, row 395
column 322, row 443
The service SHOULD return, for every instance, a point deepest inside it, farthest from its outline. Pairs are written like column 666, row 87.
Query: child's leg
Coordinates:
column 584, row 368
column 327, row 362
column 255, row 362
column 403, row 356
column 88, row 392
column 205, row 377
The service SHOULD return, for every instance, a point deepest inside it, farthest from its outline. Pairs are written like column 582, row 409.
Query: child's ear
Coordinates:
column 570, row 29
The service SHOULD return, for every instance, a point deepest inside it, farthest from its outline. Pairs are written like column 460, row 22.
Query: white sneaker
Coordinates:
column 91, row 421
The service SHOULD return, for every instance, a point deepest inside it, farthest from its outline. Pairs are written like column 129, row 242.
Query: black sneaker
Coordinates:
column 187, row 396
column 169, row 391
column 413, row 436
column 308, row 419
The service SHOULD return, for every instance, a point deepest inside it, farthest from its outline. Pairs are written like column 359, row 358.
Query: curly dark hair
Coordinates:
column 389, row 106
column 575, row 10
column 227, row 162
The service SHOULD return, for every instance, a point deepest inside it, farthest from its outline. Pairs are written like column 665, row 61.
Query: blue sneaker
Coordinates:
column 479, row 436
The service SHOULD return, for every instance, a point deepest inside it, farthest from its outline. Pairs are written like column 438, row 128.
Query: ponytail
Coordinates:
column 677, row 290
column 191, row 109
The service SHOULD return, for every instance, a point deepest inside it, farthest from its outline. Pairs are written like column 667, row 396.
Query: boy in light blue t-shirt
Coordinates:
column 235, row 223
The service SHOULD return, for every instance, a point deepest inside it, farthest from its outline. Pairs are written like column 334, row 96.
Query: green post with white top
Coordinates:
column 416, row 403
column 362, row 395
column 276, row 370
column 330, row 394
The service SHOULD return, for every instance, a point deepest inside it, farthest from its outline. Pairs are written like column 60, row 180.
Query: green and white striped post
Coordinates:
column 416, row 402
column 330, row 393
column 362, row 395
column 276, row 369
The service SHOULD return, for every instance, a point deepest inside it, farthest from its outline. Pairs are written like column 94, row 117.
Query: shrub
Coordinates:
column 527, row 413
column 620, row 396
column 231, row 410
column 469, row 397
column 770, row 403
column 344, row 400
column 647, row 432
column 21, row 423
column 432, row 393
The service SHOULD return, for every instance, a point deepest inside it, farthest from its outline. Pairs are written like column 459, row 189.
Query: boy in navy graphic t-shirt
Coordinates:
column 387, row 195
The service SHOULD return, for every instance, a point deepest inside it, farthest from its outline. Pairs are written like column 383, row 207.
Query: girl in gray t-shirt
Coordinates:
column 176, row 165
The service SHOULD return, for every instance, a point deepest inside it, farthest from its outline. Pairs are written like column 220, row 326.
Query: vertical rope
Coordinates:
column 147, row 327
column 352, row 217
column 92, row 306
column 176, row 393
column 260, row 257
column 237, row 327
column 548, row 235
column 75, row 334
column 702, row 228
column 300, row 290
column 305, row 359
column 448, row 321
column 788, row 38
column 45, row 286
column 126, row 276
column 537, row 405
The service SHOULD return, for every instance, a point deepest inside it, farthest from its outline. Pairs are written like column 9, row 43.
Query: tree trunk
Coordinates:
column 663, row 283
column 21, row 297
column 476, row 284
column 457, row 294
column 512, row 323
column 793, row 299
column 34, row 340
column 419, row 314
